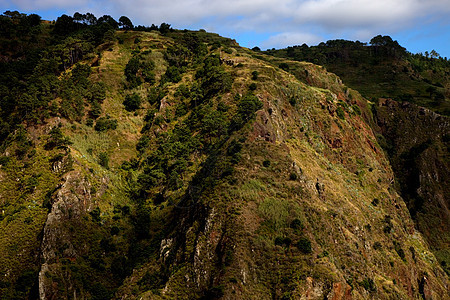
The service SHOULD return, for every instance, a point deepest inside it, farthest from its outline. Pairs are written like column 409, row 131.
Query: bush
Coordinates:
column 293, row 176
column 248, row 105
column 296, row 224
column 278, row 241
column 95, row 214
column 255, row 75
column 377, row 245
column 252, row 86
column 368, row 284
column 132, row 102
column 131, row 69
column 284, row 66
column 266, row 163
column 356, row 109
column 172, row 74
column 57, row 139
column 286, row 241
column 103, row 160
column 156, row 94
column 142, row 143
column 399, row 250
column 304, row 245
column 105, row 123
column 340, row 113
column 4, row 160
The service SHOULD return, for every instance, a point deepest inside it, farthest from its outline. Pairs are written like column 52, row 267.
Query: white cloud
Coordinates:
column 286, row 19
column 47, row 4
column 290, row 38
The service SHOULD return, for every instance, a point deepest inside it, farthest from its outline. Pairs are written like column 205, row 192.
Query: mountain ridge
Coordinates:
column 208, row 172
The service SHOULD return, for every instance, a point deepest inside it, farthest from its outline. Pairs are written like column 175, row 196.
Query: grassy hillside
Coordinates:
column 176, row 164
column 382, row 69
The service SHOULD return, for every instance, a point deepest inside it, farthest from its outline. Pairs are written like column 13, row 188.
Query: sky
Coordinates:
column 418, row 25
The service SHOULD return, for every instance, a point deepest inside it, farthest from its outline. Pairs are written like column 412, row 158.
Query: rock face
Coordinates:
column 70, row 203
column 417, row 142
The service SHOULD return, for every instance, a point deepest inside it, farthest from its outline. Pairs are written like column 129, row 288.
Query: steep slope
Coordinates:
column 208, row 173
column 382, row 69
column 417, row 143
column 323, row 171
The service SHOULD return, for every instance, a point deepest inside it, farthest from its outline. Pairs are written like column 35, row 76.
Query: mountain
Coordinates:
column 382, row 69
column 160, row 164
column 415, row 139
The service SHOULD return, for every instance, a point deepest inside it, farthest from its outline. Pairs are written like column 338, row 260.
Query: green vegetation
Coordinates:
column 304, row 245
column 150, row 162
column 132, row 102
column 382, row 69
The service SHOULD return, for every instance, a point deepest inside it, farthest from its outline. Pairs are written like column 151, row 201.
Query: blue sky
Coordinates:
column 418, row 25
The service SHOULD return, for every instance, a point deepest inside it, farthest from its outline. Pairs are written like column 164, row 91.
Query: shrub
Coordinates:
column 304, row 245
column 248, row 105
column 172, row 74
column 368, row 284
column 340, row 113
column 156, row 94
column 4, row 160
column 255, row 75
column 286, row 241
column 399, row 250
column 95, row 214
column 142, row 143
column 57, row 139
column 296, row 224
column 266, row 163
column 278, row 241
column 131, row 70
column 105, row 123
column 375, row 202
column 377, row 245
column 284, row 66
column 103, row 160
column 252, row 86
column 132, row 102
column 387, row 229
column 293, row 176
column 96, row 110
column 356, row 109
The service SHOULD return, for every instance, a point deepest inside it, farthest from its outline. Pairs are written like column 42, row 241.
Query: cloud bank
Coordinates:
column 284, row 21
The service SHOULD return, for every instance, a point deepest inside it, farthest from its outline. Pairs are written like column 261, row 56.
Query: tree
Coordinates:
column 90, row 19
column 164, row 28
column 107, row 19
column 125, row 22
column 434, row 54
column 78, row 17
column 380, row 40
column 64, row 25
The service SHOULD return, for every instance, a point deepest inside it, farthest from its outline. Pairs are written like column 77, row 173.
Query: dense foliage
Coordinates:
column 35, row 54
